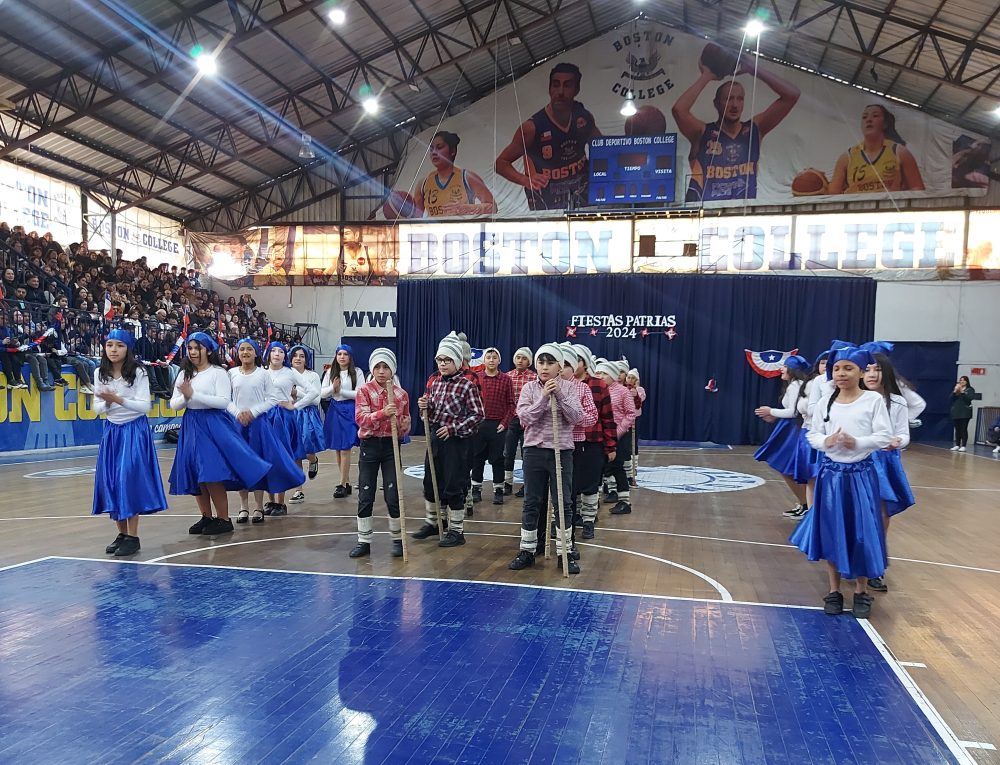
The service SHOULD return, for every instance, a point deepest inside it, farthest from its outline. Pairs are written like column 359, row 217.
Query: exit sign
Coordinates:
column 979, row 370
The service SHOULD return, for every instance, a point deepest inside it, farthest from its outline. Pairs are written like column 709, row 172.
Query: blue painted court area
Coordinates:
column 125, row 663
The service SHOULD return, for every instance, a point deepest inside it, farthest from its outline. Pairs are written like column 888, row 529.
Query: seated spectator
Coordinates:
column 34, row 292
column 42, row 359
column 11, row 360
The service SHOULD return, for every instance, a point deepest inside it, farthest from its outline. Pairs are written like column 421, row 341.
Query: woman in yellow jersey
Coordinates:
column 880, row 163
column 450, row 190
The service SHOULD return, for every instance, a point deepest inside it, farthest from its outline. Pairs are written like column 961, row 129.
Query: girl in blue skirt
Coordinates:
column 845, row 526
column 284, row 429
column 212, row 456
column 784, row 450
column 127, row 483
column 308, row 423
column 254, row 397
column 894, row 488
column 341, row 383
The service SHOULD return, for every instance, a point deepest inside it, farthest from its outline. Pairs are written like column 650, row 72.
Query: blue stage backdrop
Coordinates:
column 680, row 331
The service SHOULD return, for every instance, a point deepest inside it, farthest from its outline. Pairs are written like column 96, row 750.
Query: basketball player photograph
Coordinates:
column 880, row 162
column 553, row 142
column 451, row 191
column 725, row 154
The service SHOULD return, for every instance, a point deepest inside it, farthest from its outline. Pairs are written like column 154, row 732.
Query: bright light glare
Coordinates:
column 754, row 28
column 206, row 64
column 628, row 108
column 996, row 112
column 337, row 16
column 370, row 104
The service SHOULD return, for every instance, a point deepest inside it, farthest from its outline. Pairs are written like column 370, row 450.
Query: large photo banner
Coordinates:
column 300, row 255
column 785, row 136
column 39, row 203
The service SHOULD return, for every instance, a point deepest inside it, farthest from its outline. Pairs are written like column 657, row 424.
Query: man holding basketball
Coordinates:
column 553, row 142
column 725, row 154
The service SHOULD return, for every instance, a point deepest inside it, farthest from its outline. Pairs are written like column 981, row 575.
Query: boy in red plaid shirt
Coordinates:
column 373, row 413
column 455, row 409
column 519, row 375
column 488, row 443
column 599, row 445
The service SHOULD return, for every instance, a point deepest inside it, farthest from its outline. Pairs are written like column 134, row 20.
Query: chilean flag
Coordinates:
column 768, row 363
column 109, row 310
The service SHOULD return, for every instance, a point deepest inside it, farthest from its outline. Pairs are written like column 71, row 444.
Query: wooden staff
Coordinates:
column 398, row 464
column 635, row 456
column 434, row 478
column 559, row 487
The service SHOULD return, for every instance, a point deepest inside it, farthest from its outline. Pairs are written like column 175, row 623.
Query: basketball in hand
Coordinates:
column 399, row 204
column 810, row 183
column 719, row 62
column 648, row 120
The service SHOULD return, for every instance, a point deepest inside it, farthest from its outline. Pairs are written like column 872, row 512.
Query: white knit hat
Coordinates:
column 492, row 348
column 466, row 348
column 583, row 352
column 608, row 367
column 634, row 373
column 523, row 351
column 382, row 356
column 452, row 348
column 553, row 350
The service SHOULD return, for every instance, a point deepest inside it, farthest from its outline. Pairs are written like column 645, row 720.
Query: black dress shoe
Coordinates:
column 523, row 559
column 425, row 531
column 340, row 492
column 519, row 492
column 397, row 548
column 622, row 508
column 477, row 494
column 361, row 549
column 498, row 497
column 279, row 509
column 313, row 469
column 508, row 489
column 200, row 525
column 588, row 529
column 110, row 549
column 269, row 508
column 452, row 539
column 129, row 546
column 217, row 526
column 571, row 565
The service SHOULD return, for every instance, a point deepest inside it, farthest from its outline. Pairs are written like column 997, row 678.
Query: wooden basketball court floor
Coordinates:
column 936, row 633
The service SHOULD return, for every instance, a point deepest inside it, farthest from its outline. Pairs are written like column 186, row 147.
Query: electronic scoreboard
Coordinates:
column 631, row 169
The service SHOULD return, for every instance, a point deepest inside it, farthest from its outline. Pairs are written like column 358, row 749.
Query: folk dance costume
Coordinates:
column 639, row 398
column 894, row 488
column 540, row 447
column 591, row 455
column 623, row 408
column 785, row 450
column 375, row 432
column 845, row 525
column 489, row 440
column 515, row 433
column 210, row 448
column 256, row 394
column 340, row 428
column 308, row 423
column 453, row 402
column 127, row 479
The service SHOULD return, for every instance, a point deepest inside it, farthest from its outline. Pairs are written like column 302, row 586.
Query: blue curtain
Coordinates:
column 718, row 316
column 931, row 370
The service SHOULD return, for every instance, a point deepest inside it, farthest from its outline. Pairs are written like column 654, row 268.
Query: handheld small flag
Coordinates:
column 109, row 310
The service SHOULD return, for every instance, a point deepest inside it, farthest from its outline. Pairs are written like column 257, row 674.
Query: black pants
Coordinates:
column 10, row 364
column 488, row 446
column 588, row 467
column 451, row 462
column 616, row 467
column 514, row 438
column 539, row 479
column 962, row 431
column 376, row 455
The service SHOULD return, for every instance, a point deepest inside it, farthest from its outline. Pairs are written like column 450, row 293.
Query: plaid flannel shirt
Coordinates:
column 498, row 397
column 603, row 431
column 372, row 422
column 455, row 403
column 518, row 379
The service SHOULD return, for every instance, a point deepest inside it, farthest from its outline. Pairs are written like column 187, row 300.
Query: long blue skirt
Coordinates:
column 211, row 449
column 785, row 451
column 309, row 427
column 894, row 488
column 340, row 428
column 845, row 526
column 811, row 456
column 127, row 481
column 284, row 473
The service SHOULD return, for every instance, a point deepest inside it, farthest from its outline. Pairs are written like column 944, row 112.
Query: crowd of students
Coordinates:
column 838, row 434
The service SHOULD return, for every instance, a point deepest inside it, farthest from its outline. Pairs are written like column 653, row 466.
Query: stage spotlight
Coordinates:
column 370, row 104
column 628, row 108
column 996, row 112
column 754, row 29
column 206, row 64
column 337, row 16
column 306, row 149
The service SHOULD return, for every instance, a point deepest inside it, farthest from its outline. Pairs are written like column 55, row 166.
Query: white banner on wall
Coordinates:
column 139, row 233
column 791, row 136
column 504, row 249
column 39, row 203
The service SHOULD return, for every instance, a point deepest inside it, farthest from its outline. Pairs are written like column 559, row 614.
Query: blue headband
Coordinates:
column 307, row 351
column 823, row 355
column 204, row 339
column 345, row 347
column 271, row 347
column 122, row 336
column 797, row 362
column 879, row 346
column 862, row 357
column 251, row 342
column 838, row 350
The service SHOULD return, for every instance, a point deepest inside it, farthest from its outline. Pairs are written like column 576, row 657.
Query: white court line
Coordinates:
column 723, row 592
column 707, row 601
column 954, row 744
column 917, row 664
column 949, row 488
column 27, row 562
column 977, row 745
